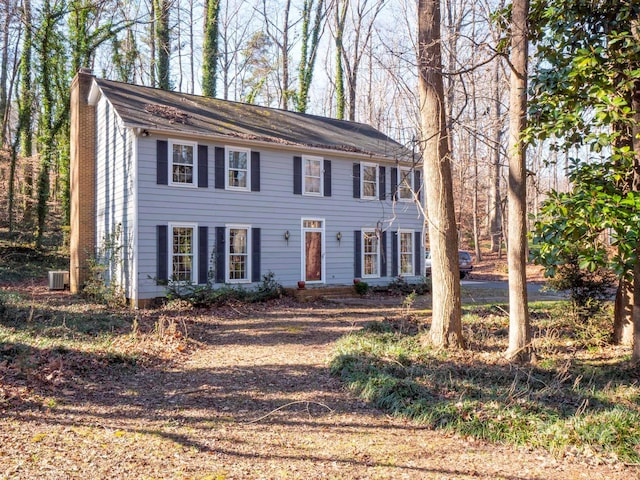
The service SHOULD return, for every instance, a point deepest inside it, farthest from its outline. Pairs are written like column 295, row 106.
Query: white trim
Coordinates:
column 227, row 149
column 362, row 252
column 320, row 160
column 194, row 249
column 408, row 172
column 364, row 165
column 194, row 177
column 135, row 226
column 412, row 252
column 227, row 254
column 303, row 253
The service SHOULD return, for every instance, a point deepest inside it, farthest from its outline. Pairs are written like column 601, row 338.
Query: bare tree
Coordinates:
column 446, row 325
column 519, row 329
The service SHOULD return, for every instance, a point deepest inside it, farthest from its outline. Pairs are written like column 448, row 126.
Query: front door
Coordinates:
column 313, row 250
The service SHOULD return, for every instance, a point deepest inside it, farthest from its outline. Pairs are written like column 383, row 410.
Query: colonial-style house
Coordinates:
column 200, row 190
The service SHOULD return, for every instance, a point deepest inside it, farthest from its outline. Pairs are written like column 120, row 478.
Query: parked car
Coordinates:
column 464, row 259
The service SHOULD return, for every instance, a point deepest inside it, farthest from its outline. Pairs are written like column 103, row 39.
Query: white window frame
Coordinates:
column 194, row 262
column 405, row 184
column 227, row 151
column 320, row 161
column 363, row 166
column 411, row 252
column 364, row 233
column 194, row 166
column 227, row 274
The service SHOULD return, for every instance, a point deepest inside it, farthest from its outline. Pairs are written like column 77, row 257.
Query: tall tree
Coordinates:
column 309, row 41
column 446, row 324
column 519, row 328
column 586, row 93
column 340, row 17
column 279, row 36
column 162, row 10
column 210, row 48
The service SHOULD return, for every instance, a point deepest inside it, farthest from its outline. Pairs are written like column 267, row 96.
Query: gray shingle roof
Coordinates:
column 153, row 108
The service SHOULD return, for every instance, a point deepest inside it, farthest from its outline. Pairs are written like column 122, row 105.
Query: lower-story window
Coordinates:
column 405, row 251
column 370, row 254
column 238, row 258
column 182, row 253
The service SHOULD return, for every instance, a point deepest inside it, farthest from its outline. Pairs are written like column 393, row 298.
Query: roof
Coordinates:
column 155, row 109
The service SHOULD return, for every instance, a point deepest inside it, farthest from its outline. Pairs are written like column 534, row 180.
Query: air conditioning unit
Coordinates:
column 58, row 279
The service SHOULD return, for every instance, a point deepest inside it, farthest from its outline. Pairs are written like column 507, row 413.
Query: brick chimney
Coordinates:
column 82, row 178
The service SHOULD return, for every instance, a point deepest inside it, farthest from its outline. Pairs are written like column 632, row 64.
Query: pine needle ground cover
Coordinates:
column 582, row 397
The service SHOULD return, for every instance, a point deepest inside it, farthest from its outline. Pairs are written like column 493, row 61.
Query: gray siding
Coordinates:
column 274, row 209
column 115, row 177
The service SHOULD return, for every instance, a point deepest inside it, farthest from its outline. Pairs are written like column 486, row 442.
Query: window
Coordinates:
column 405, row 183
column 405, row 252
column 370, row 254
column 312, row 177
column 182, row 253
column 369, row 178
column 183, row 156
column 238, row 168
column 238, row 257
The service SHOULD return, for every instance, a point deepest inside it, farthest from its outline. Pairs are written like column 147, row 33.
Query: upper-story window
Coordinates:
column 238, row 168
column 369, row 180
column 183, row 162
column 405, row 183
column 312, row 178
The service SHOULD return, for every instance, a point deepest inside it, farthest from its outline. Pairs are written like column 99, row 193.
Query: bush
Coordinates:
column 399, row 286
column 362, row 288
column 587, row 290
column 207, row 296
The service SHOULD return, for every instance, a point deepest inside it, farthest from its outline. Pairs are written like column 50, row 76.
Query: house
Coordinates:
column 193, row 189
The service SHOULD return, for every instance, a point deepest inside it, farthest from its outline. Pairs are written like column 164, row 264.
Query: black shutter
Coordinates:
column 417, row 248
column 255, row 255
column 203, row 255
column 394, row 254
column 255, row 171
column 221, row 254
column 162, row 162
column 417, row 183
column 327, row 178
column 203, row 166
column 219, row 168
column 394, row 183
column 162, row 251
column 357, row 252
column 356, row 180
column 383, row 254
column 297, row 175
column 382, row 174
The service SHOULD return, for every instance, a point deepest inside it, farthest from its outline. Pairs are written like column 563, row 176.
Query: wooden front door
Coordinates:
column 313, row 255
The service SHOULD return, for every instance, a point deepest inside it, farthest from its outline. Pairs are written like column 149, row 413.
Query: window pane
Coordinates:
column 237, row 178
column 312, row 185
column 238, row 254
column 369, row 174
column 312, row 224
column 183, row 154
column 238, row 160
column 182, row 258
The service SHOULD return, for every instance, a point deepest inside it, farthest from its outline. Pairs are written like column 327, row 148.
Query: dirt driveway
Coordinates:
column 254, row 401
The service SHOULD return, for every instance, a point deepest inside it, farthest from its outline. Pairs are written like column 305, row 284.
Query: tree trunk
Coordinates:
column 635, row 106
column 519, row 329
column 340, row 18
column 162, row 11
column 495, row 209
column 622, row 314
column 446, row 324
column 4, row 68
column 210, row 48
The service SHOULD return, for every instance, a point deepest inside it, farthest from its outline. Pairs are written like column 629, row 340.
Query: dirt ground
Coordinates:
column 253, row 400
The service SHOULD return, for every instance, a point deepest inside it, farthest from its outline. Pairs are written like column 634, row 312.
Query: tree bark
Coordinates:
column 622, row 314
column 210, row 48
column 495, row 210
column 519, row 329
column 446, row 324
